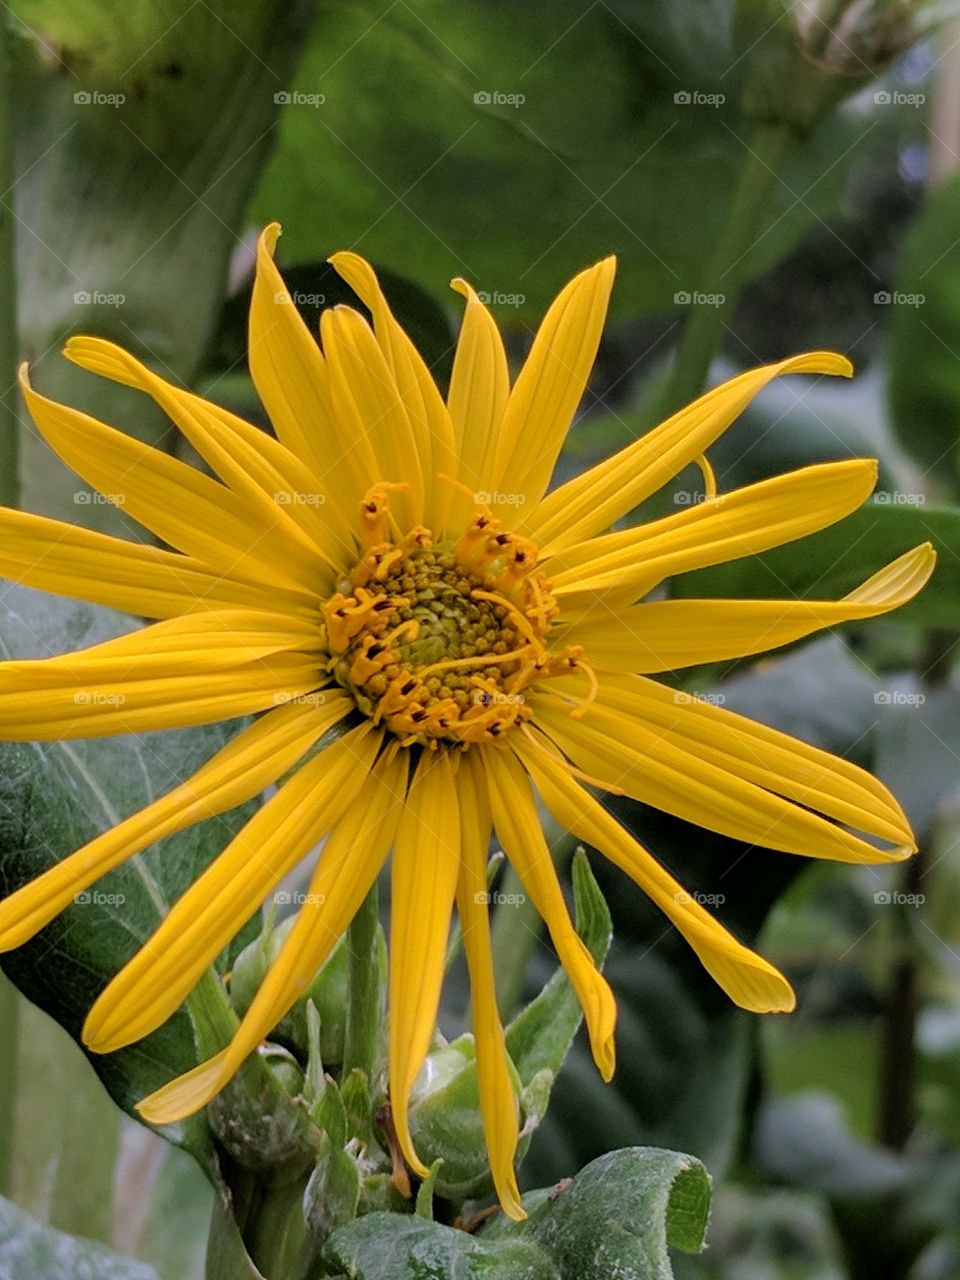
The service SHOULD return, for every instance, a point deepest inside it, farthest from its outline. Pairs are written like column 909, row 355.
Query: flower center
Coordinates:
column 440, row 642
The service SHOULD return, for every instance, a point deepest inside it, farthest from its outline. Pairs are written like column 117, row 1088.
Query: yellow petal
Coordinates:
column 666, row 635
column 479, row 388
column 678, row 776
column 181, row 505
column 133, row 681
column 152, row 985
column 372, row 413
column 749, row 980
column 755, row 752
column 290, row 375
column 424, row 405
column 498, row 1104
column 252, row 760
column 548, row 390
column 131, row 576
column 729, row 527
column 519, row 831
column 348, row 866
column 596, row 499
column 424, row 880
column 170, row 702
column 261, row 470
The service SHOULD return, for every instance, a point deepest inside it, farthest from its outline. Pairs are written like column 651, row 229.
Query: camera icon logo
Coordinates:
column 682, row 98
column 82, row 98
column 883, row 898
column 482, row 98
column 882, row 299
column 682, row 298
column 882, row 98
column 282, row 98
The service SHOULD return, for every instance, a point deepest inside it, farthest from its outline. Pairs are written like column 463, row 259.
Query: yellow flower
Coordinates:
column 393, row 562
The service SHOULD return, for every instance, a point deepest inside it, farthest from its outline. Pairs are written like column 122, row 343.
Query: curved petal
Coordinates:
column 424, row 405
column 424, row 880
column 178, row 503
column 348, row 866
column 749, row 980
column 252, row 760
column 131, row 576
column 152, row 985
column 753, row 751
column 290, row 376
column 479, row 388
column 666, row 635
column 259, row 469
column 594, row 500
column 518, row 828
column 728, row 527
column 705, row 786
column 498, row 1103
column 548, row 390
column 371, row 413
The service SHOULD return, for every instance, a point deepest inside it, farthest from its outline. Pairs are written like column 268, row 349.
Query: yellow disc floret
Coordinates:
column 439, row 642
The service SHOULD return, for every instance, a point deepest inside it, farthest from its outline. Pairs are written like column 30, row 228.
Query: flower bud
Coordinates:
column 445, row 1121
column 328, row 991
column 804, row 59
column 260, row 1118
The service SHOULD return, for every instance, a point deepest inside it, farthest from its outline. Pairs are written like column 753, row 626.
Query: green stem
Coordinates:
column 9, row 346
column 727, row 268
column 363, row 1003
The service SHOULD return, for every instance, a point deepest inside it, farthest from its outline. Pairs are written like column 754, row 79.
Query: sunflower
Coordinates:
column 392, row 565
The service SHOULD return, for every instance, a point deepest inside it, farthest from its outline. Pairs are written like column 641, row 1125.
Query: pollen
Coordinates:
column 439, row 643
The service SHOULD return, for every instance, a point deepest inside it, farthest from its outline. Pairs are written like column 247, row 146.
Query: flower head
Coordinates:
column 392, row 563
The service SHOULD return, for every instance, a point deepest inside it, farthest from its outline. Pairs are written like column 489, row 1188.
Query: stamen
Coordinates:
column 709, row 476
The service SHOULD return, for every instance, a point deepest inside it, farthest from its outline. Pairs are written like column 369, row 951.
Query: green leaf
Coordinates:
column 925, row 336
column 540, row 1036
column 828, row 564
column 53, row 798
column 472, row 152
column 29, row 1251
column 160, row 118
column 619, row 1217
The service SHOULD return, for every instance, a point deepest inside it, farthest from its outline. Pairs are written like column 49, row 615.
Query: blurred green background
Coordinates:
column 774, row 178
